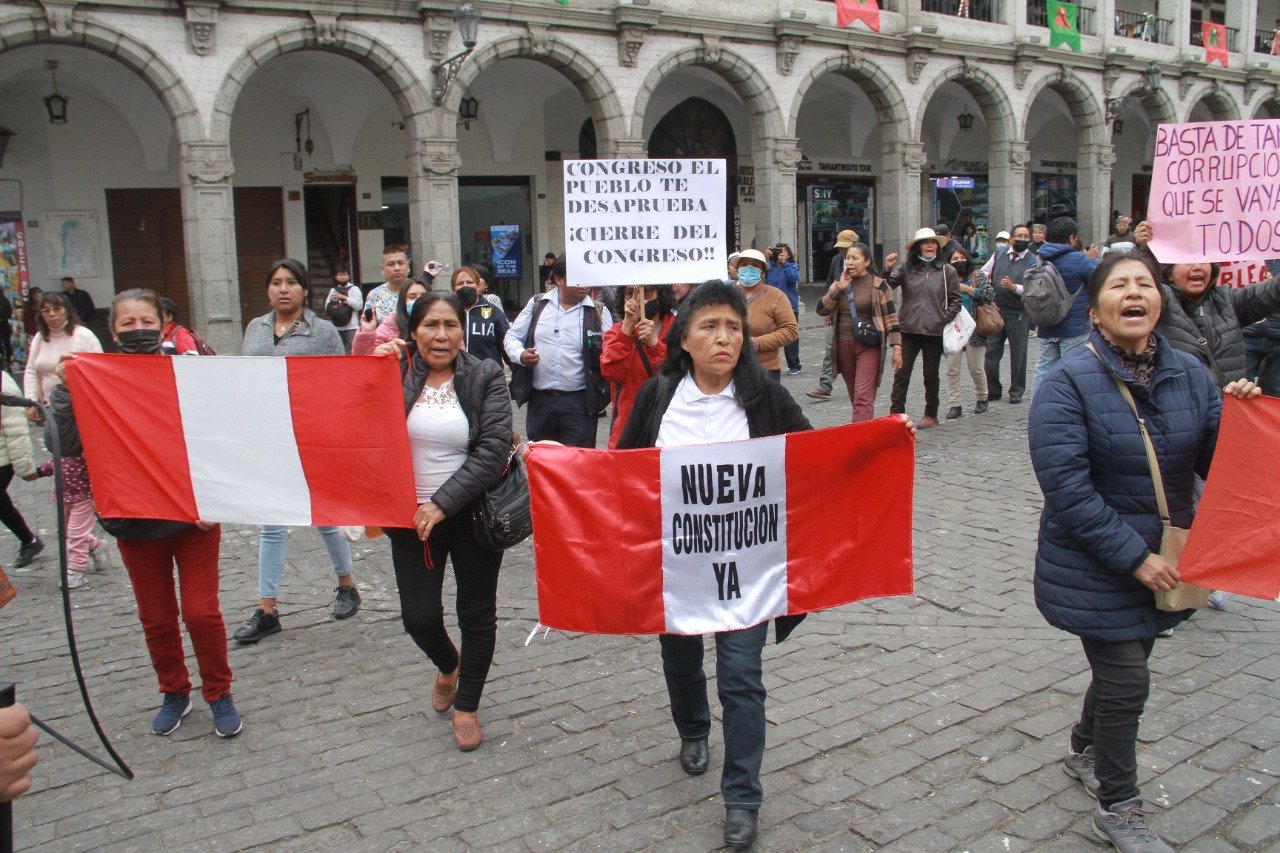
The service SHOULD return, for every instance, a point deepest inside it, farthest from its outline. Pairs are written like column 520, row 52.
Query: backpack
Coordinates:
column 202, row 347
column 340, row 312
column 592, row 341
column 1045, row 296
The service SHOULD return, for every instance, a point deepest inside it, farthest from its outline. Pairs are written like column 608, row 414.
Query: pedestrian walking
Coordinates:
column 826, row 375
column 1098, row 563
column 864, row 323
column 974, row 290
column 290, row 329
column 16, row 459
column 459, row 422
column 785, row 276
column 152, row 550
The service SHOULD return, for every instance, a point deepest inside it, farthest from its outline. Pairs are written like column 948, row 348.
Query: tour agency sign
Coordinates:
column 1215, row 191
column 644, row 221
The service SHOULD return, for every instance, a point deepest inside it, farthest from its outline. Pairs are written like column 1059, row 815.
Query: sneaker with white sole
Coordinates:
column 101, row 559
column 226, row 719
column 175, row 707
column 1217, row 599
column 1125, row 826
column 1080, row 765
column 75, row 579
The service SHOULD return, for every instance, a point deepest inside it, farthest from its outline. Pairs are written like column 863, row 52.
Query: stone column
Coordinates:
column 209, row 240
column 433, row 200
column 902, row 165
column 1009, row 199
column 775, row 172
column 1093, row 191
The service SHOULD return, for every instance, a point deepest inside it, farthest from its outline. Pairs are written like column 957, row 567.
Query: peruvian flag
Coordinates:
column 867, row 11
column 1234, row 544
column 315, row 440
column 1214, row 37
column 691, row 540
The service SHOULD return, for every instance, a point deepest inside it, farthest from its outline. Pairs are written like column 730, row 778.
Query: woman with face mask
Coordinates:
column 635, row 349
column 486, row 322
column 930, row 300
column 974, row 290
column 59, row 331
column 772, row 322
column 152, row 550
column 372, row 334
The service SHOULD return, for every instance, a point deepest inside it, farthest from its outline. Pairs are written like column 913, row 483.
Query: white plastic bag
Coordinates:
column 958, row 332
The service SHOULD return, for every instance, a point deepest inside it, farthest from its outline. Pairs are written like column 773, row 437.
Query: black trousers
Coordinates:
column 913, row 345
column 1112, row 708
column 8, row 512
column 560, row 416
column 475, row 570
column 1015, row 331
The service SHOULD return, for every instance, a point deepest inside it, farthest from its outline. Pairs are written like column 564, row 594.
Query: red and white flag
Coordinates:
column 317, row 440
column 691, row 540
column 867, row 11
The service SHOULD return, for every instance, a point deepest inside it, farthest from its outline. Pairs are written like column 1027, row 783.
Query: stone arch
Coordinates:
column 586, row 76
column 1221, row 104
column 1157, row 104
column 406, row 89
column 1085, row 110
column 1264, row 105
column 876, row 84
column 985, row 89
column 125, row 49
column 743, row 77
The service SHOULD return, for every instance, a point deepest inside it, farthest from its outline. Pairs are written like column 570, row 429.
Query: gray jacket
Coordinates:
column 1213, row 329
column 310, row 336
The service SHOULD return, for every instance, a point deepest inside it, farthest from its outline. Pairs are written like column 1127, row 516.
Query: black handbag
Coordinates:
column 866, row 333
column 501, row 517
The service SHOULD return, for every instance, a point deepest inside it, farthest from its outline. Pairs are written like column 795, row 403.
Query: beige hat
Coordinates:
column 846, row 238
column 922, row 235
column 733, row 257
column 753, row 255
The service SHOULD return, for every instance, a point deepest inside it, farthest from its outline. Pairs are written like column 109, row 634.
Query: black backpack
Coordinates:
column 339, row 310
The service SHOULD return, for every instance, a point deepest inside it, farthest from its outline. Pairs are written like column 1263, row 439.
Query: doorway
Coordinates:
column 697, row 128
column 830, row 206
column 259, row 215
column 330, row 211
column 145, row 231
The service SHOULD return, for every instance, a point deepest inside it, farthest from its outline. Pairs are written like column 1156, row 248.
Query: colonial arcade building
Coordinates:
column 185, row 144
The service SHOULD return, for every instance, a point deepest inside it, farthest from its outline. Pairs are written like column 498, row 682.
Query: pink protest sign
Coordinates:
column 1215, row 191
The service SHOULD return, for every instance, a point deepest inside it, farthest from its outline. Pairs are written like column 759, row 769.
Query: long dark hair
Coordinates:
column 748, row 376
column 58, row 300
column 866, row 253
column 402, row 316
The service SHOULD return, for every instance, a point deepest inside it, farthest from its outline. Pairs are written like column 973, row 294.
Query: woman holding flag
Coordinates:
column 459, row 419
column 1098, row 563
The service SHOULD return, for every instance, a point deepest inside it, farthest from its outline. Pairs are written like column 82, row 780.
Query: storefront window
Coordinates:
column 960, row 201
column 1053, row 196
column 395, row 211
column 831, row 207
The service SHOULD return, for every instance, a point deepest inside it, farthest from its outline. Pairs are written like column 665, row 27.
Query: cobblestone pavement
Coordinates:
column 928, row 723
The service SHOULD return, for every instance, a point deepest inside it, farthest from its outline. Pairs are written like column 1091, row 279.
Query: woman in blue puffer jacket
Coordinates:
column 785, row 275
column 1098, row 563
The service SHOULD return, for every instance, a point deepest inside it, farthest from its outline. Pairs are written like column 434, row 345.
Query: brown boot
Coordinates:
column 466, row 730
column 444, row 691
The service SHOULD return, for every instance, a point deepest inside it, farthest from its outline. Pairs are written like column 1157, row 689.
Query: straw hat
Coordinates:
column 922, row 235
column 846, row 238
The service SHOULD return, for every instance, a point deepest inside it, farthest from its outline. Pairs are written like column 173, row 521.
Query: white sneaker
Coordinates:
column 75, row 580
column 101, row 558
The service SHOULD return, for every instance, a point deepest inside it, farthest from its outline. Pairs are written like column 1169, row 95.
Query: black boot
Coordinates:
column 740, row 828
column 954, row 412
column 980, row 408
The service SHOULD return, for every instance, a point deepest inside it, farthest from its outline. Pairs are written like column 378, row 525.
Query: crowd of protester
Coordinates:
column 1140, row 343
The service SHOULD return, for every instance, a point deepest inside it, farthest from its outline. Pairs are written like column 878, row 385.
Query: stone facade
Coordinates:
column 617, row 59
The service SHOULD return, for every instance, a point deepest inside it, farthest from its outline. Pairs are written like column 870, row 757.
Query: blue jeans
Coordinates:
column 740, row 686
column 1051, row 352
column 272, row 545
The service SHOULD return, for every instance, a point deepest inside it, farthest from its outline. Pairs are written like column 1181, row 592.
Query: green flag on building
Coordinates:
column 1064, row 27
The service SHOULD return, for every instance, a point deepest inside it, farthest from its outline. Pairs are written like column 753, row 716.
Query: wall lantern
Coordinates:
column 966, row 121
column 468, row 19
column 55, row 104
column 468, row 111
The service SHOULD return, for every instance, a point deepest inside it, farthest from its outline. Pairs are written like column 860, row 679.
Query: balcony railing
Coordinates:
column 977, row 10
column 1144, row 27
column 1264, row 41
column 1038, row 16
column 1197, row 36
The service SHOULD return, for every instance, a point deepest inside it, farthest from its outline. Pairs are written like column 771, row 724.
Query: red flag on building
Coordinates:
column 1214, row 37
column 1234, row 543
column 249, row 440
column 690, row 540
column 867, row 11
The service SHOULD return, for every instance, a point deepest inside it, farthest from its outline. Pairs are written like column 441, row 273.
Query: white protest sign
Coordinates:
column 1215, row 191
column 644, row 221
column 724, row 535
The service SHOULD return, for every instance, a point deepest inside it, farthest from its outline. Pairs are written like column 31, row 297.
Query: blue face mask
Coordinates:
column 408, row 305
column 749, row 276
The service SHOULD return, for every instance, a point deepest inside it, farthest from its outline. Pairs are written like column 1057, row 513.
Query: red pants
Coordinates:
column 150, row 563
column 860, row 367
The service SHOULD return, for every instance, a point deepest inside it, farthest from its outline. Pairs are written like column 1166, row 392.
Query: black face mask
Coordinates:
column 962, row 267
column 1021, row 245
column 139, row 341
column 468, row 295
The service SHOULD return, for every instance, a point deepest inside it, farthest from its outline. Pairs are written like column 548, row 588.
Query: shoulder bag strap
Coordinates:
column 644, row 358
column 1161, row 502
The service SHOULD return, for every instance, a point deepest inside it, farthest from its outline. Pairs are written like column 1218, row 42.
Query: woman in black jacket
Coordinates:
column 712, row 389
column 459, row 419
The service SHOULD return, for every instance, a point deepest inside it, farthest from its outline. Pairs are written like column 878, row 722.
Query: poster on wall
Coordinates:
column 644, row 221
column 504, row 243
column 73, row 242
column 15, row 279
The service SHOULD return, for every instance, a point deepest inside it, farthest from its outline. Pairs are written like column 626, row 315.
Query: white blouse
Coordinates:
column 697, row 418
column 438, row 438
